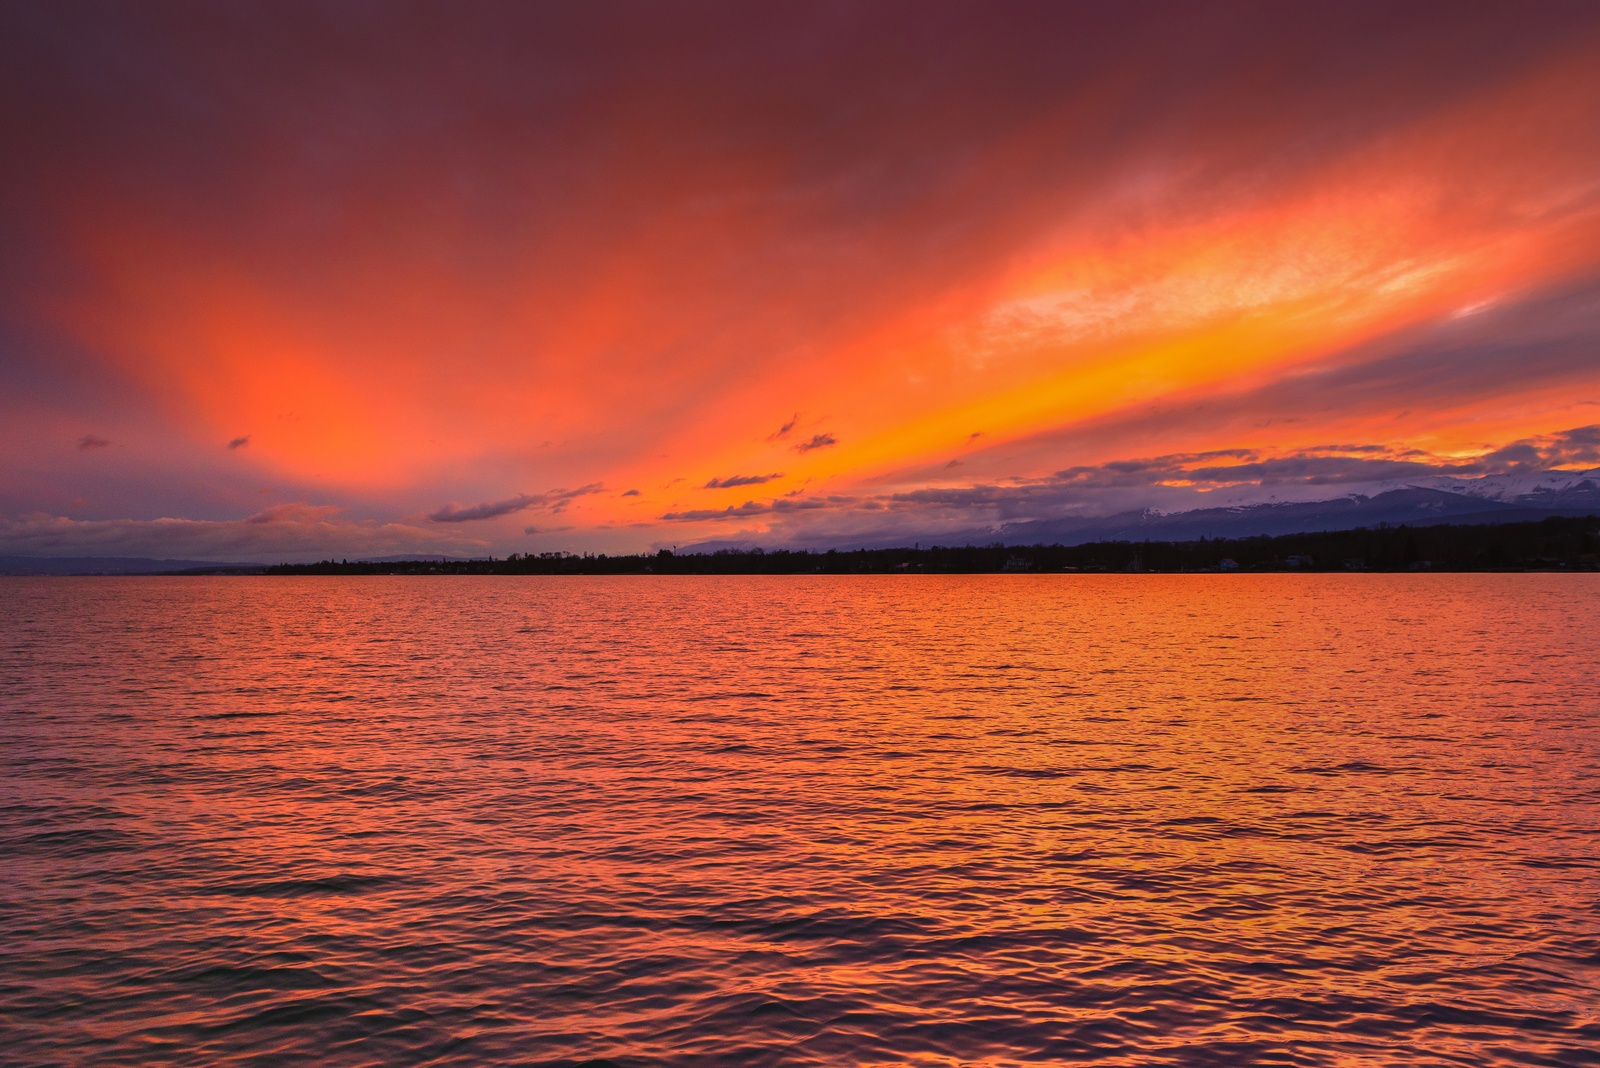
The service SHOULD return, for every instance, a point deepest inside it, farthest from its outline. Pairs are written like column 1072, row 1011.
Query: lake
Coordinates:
column 880, row 820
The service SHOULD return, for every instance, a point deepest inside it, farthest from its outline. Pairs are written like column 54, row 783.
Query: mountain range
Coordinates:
column 1507, row 498
column 1437, row 499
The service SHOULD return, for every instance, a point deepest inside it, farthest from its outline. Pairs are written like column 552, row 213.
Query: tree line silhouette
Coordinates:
column 1555, row 544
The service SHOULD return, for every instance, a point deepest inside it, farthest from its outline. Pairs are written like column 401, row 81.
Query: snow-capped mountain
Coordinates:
column 1522, row 487
column 1491, row 499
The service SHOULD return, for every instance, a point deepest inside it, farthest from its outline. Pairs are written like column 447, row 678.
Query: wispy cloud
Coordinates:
column 818, row 441
column 89, row 441
column 455, row 513
column 784, row 430
column 781, row 506
column 742, row 480
column 239, row 443
column 748, row 508
column 554, row 500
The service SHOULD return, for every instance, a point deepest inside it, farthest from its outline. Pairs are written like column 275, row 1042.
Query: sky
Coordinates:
column 284, row 281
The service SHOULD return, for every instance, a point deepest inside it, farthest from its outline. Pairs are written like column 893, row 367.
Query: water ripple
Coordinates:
column 935, row 821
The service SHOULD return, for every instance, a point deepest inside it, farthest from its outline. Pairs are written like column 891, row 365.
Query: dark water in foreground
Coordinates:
column 997, row 820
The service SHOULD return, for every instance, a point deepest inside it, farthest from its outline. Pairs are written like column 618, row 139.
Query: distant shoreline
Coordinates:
column 1555, row 544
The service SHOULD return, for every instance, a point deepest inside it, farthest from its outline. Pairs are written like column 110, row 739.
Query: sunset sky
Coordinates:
column 293, row 280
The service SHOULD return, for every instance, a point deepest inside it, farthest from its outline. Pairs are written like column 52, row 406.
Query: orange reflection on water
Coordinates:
column 988, row 820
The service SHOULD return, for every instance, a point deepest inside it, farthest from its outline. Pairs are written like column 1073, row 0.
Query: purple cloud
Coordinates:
column 742, row 480
column 818, row 441
column 555, row 501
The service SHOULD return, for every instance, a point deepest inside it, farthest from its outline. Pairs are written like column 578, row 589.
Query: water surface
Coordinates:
column 888, row 820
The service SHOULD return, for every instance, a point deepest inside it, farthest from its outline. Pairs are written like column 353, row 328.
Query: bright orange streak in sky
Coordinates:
column 1076, row 332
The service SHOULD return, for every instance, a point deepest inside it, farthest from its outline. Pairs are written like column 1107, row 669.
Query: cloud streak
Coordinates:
column 742, row 480
column 817, row 441
column 554, row 501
